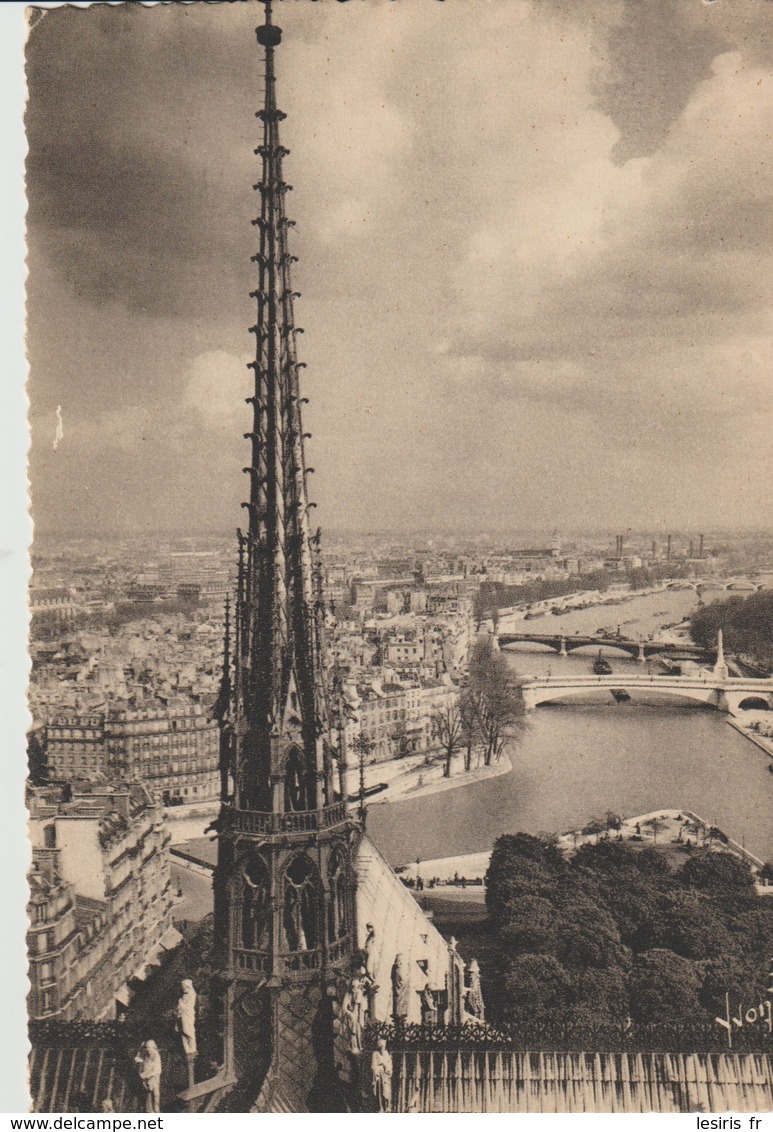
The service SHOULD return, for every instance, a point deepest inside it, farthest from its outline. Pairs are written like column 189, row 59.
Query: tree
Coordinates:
column 723, row 874
column 448, row 732
column 746, row 623
column 766, row 872
column 496, row 698
column 535, row 988
column 664, row 987
column 469, row 721
column 613, row 928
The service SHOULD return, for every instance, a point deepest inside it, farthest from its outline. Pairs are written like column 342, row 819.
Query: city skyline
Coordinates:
column 327, row 782
column 516, row 310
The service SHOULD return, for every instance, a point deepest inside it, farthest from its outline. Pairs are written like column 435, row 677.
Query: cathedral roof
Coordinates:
column 401, row 928
column 481, row 1080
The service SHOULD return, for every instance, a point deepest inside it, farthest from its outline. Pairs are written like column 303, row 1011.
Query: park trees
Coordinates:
column 615, row 931
column 746, row 624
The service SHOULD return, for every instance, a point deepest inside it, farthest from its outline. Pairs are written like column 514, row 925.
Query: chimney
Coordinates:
column 668, row 549
column 690, row 554
column 700, row 548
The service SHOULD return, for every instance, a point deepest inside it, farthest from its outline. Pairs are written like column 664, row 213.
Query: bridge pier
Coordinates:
column 640, row 658
column 562, row 649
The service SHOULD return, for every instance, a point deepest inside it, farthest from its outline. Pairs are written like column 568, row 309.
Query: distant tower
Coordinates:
column 284, row 882
column 690, row 552
column 700, row 547
column 668, row 549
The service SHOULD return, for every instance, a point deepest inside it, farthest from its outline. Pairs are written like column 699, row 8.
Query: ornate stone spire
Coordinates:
column 279, row 697
column 285, row 882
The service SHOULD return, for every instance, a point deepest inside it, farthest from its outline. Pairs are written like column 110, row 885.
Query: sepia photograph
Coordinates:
column 400, row 702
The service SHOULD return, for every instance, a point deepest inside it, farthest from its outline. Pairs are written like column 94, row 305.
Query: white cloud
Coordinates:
column 216, row 386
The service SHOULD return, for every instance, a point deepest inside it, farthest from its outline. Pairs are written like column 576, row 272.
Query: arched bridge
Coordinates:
column 726, row 695
column 563, row 644
column 738, row 585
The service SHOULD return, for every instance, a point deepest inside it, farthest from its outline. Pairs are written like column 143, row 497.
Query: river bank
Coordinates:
column 764, row 742
column 423, row 780
column 677, row 832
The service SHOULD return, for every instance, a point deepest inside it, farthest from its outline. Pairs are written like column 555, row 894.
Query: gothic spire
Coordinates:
column 279, row 699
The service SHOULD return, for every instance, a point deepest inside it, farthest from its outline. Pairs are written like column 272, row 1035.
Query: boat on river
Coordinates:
column 620, row 695
column 602, row 667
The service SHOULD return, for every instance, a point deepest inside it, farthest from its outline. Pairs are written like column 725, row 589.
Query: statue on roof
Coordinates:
column 353, row 1008
column 474, row 1005
column 428, row 1006
column 400, row 991
column 186, row 1018
column 148, row 1062
column 381, row 1076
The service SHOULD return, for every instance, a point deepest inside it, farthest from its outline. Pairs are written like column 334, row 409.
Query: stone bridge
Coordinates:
column 563, row 644
column 730, row 695
column 734, row 585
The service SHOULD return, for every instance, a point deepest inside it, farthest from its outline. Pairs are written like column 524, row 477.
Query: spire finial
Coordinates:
column 269, row 35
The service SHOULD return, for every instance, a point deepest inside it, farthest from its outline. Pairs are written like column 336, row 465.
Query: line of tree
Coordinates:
column 615, row 933
column 493, row 596
column 488, row 713
column 746, row 623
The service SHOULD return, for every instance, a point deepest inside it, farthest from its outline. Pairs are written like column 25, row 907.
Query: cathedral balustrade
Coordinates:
column 695, row 1037
column 255, row 961
column 338, row 950
column 260, row 962
column 299, row 821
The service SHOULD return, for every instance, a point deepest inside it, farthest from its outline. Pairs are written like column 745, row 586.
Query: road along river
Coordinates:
column 576, row 762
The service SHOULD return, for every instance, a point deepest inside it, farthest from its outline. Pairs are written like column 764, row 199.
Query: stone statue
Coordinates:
column 400, row 990
column 369, row 947
column 186, row 1018
column 428, row 1007
column 381, row 1076
column 352, row 1016
column 474, row 1005
column 148, row 1061
column 360, row 1000
column 369, row 989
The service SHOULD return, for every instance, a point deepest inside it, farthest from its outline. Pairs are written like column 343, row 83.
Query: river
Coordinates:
column 576, row 762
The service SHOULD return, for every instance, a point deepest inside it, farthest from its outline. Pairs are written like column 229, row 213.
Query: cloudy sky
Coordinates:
column 536, row 258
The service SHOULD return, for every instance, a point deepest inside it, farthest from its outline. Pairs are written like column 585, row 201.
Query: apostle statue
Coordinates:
column 381, row 1076
column 148, row 1062
column 352, row 1015
column 474, row 1004
column 186, row 1018
column 428, row 1006
column 368, row 988
column 400, row 991
column 368, row 949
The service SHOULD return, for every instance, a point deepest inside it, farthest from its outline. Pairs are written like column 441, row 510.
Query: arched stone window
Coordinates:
column 296, row 792
column 337, row 914
column 254, row 903
column 301, row 904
